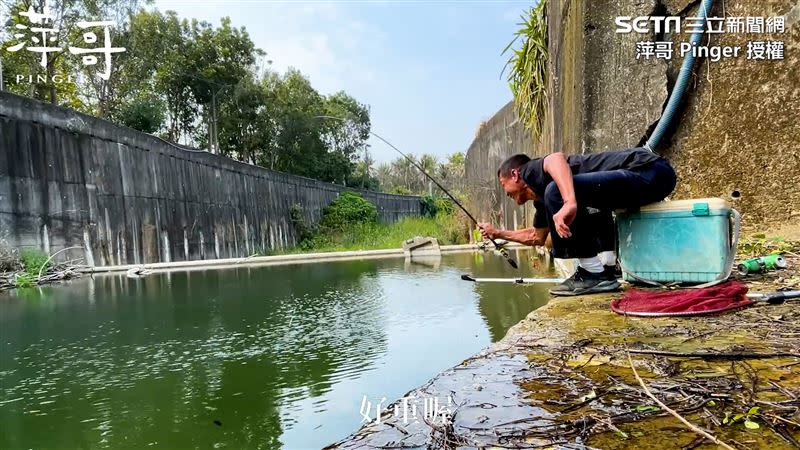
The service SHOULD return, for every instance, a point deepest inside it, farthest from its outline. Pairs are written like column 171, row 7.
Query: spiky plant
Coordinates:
column 527, row 68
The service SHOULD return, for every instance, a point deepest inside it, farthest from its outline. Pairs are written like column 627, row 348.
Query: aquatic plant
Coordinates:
column 33, row 262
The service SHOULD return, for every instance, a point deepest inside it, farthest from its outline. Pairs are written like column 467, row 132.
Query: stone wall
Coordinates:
column 737, row 135
column 125, row 197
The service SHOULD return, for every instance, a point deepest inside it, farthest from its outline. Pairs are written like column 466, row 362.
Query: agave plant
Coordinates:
column 527, row 66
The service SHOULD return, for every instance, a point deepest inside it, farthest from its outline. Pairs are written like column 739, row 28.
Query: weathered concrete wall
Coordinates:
column 125, row 197
column 594, row 103
column 738, row 129
column 500, row 137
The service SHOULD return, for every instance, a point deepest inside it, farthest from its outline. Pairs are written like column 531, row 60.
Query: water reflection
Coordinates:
column 244, row 358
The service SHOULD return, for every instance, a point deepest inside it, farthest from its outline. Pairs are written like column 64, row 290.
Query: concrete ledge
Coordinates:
column 296, row 258
column 561, row 375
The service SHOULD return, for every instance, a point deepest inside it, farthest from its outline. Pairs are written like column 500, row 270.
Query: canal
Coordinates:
column 251, row 357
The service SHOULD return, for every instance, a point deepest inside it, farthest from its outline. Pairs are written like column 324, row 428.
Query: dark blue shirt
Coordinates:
column 534, row 175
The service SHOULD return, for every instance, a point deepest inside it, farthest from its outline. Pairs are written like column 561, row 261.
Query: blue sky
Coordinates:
column 430, row 71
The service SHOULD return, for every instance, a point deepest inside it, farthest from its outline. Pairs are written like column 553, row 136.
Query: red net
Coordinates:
column 685, row 302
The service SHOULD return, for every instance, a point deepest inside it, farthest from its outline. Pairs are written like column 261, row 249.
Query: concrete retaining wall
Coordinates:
column 736, row 136
column 125, row 197
column 500, row 137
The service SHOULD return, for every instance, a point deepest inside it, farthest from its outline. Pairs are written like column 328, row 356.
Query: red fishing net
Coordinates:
column 684, row 302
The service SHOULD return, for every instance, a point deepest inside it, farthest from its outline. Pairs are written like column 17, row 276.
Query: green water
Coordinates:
column 270, row 357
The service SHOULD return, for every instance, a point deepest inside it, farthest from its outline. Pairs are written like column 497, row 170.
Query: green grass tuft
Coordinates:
column 376, row 236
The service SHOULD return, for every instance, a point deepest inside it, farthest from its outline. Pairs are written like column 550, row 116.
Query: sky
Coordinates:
column 429, row 70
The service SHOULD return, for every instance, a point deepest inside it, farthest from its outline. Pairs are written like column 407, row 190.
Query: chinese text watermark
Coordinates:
column 39, row 35
column 757, row 49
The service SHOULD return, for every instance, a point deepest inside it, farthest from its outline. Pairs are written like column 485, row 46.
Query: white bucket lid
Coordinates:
column 714, row 203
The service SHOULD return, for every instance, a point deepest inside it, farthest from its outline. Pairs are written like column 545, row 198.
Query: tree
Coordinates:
column 144, row 113
column 363, row 175
column 188, row 80
column 27, row 63
column 451, row 173
column 64, row 16
column 218, row 60
column 244, row 125
column 346, row 138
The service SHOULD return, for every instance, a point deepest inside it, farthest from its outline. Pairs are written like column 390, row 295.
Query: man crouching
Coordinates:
column 574, row 196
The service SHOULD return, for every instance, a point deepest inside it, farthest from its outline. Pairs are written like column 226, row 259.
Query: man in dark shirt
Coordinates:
column 574, row 196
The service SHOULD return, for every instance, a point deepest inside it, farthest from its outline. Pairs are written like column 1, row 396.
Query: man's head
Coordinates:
column 511, row 179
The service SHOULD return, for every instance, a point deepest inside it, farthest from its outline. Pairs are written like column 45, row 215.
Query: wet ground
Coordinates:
column 562, row 378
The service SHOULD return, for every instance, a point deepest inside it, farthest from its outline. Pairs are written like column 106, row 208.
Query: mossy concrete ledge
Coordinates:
column 294, row 258
column 561, row 378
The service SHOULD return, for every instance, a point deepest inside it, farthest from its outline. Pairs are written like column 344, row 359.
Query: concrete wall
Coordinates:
column 500, row 137
column 68, row 179
column 738, row 129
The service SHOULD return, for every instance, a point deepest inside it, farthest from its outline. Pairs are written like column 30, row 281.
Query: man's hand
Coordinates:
column 487, row 230
column 564, row 217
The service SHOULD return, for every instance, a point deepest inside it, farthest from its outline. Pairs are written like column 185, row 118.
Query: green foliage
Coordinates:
column 444, row 205
column 428, row 206
column 368, row 236
column 527, row 76
column 292, row 137
column 34, row 261
column 433, row 205
column 362, row 234
column 646, row 408
column 362, row 175
column 347, row 210
column 302, row 229
column 761, row 245
column 401, row 177
column 146, row 114
column 24, row 280
column 207, row 85
column 746, row 418
column 401, row 190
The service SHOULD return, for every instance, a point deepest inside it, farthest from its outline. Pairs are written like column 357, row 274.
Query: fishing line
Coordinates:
column 411, row 160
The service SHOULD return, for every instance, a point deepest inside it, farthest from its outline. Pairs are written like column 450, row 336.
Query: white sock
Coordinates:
column 592, row 264
column 608, row 258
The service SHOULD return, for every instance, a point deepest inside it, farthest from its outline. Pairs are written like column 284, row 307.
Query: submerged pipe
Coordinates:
column 680, row 84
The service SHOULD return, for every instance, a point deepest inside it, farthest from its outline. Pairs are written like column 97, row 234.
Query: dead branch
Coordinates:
column 714, row 355
column 672, row 412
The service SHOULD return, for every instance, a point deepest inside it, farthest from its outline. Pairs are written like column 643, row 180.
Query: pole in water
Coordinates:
column 502, row 250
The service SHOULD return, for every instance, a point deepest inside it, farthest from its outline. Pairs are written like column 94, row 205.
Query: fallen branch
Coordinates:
column 713, row 355
column 672, row 412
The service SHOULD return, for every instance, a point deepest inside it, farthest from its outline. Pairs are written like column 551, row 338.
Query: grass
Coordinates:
column 447, row 228
column 761, row 245
column 31, row 262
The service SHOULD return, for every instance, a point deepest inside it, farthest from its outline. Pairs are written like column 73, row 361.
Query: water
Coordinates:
column 270, row 357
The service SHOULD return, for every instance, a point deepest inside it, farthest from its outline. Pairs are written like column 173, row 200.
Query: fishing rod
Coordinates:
column 512, row 280
column 502, row 250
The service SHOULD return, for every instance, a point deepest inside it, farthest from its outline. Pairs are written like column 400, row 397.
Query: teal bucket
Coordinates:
column 684, row 241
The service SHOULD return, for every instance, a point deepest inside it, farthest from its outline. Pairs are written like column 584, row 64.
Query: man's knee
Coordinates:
column 664, row 182
column 552, row 197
